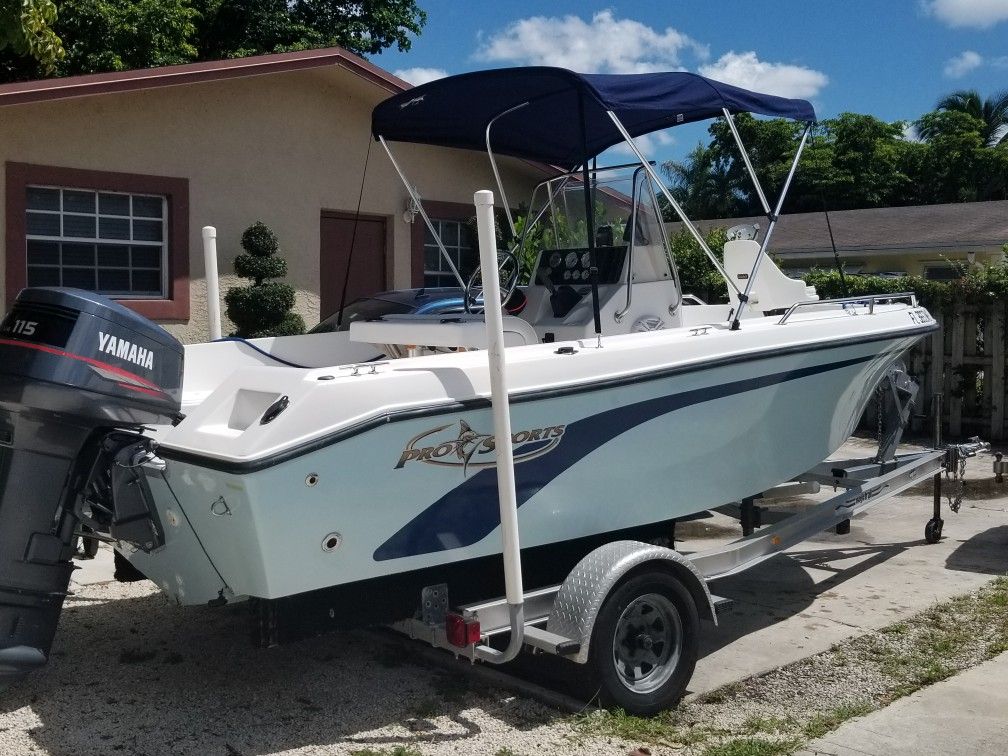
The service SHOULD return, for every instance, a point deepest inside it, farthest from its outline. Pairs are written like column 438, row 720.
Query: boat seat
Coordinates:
column 442, row 330
column 773, row 290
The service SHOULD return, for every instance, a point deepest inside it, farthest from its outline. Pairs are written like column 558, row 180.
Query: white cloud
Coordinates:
column 604, row 44
column 748, row 71
column 1001, row 62
column 418, row 76
column 962, row 64
column 648, row 144
column 980, row 14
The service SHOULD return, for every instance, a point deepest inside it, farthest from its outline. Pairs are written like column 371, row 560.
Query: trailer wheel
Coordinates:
column 644, row 644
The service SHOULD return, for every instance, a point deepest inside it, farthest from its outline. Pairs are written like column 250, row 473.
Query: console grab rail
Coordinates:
column 869, row 299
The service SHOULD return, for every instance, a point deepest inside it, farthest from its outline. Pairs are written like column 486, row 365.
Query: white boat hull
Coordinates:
column 410, row 490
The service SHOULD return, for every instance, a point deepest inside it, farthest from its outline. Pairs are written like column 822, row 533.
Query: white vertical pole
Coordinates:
column 484, row 201
column 212, row 282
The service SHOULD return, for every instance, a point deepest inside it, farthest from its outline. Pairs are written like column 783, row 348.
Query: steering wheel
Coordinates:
column 473, row 297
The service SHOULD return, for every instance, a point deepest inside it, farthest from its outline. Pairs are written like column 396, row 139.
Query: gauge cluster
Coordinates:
column 572, row 266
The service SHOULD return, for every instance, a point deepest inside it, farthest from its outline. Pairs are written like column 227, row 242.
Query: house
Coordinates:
column 109, row 179
column 922, row 240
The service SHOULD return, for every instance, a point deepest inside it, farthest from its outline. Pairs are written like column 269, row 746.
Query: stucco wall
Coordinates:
column 277, row 148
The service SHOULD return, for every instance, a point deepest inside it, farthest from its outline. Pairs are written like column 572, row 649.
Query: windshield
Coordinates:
column 361, row 309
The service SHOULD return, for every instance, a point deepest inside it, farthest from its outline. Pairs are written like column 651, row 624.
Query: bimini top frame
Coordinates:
column 530, row 109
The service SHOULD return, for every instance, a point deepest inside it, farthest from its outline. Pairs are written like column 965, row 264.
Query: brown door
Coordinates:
column 367, row 261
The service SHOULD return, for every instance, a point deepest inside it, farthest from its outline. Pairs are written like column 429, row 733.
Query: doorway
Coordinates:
column 367, row 264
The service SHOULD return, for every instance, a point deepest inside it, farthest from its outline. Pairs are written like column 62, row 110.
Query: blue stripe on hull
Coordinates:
column 470, row 512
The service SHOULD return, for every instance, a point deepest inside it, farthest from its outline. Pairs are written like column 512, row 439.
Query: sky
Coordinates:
column 891, row 58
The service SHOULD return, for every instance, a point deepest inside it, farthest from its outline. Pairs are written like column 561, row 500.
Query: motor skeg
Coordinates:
column 80, row 375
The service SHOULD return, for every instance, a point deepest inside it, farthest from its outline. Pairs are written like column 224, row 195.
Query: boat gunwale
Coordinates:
column 255, row 464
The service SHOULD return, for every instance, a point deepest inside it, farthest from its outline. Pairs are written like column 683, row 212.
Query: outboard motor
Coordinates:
column 80, row 377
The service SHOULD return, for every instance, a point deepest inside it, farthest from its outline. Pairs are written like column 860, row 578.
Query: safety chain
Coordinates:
column 878, row 414
column 958, row 476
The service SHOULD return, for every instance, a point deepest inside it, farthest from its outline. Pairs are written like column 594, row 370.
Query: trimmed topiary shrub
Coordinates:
column 264, row 307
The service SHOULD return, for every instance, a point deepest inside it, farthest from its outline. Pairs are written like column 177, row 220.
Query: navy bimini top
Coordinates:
column 565, row 122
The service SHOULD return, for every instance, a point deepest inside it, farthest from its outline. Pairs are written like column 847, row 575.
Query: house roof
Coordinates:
column 43, row 90
column 962, row 226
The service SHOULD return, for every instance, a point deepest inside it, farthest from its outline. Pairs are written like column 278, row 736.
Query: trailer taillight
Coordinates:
column 460, row 631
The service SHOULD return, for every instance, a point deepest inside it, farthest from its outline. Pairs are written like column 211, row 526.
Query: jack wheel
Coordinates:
column 645, row 642
column 933, row 530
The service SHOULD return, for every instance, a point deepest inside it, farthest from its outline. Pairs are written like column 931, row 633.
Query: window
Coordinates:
column 120, row 234
column 109, row 242
column 941, row 273
column 457, row 237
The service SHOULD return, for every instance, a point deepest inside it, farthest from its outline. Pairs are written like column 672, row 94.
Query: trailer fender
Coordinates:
column 585, row 589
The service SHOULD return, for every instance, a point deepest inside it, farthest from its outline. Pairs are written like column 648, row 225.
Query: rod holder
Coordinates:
column 212, row 281
column 507, row 499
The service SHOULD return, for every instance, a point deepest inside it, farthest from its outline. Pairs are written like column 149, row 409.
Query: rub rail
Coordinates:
column 867, row 299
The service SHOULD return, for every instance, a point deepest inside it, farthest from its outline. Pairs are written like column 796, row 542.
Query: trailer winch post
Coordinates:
column 484, row 201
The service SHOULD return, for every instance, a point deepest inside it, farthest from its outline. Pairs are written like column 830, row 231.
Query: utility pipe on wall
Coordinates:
column 484, row 201
column 212, row 281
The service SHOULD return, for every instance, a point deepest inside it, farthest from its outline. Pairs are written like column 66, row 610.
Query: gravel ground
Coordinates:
column 132, row 674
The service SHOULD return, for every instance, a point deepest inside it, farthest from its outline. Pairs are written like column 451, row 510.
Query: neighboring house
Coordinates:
column 922, row 240
column 110, row 177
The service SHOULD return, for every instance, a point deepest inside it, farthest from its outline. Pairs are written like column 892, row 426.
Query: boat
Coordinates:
column 328, row 478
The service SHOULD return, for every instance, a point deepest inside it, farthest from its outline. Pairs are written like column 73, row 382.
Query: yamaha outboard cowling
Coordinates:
column 80, row 375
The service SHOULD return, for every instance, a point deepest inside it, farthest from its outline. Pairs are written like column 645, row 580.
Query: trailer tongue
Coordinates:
column 79, row 378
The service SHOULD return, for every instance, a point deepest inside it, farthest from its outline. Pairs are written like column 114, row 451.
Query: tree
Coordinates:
column 26, row 30
column 852, row 161
column 770, row 144
column 111, row 35
column 865, row 169
column 117, row 35
column 953, row 165
column 993, row 112
column 701, row 185
column 696, row 273
column 235, row 28
column 264, row 308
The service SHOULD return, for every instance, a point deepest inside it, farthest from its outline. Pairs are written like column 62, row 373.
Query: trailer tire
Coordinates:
column 644, row 644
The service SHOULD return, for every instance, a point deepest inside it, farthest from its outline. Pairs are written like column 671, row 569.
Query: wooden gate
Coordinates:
column 965, row 362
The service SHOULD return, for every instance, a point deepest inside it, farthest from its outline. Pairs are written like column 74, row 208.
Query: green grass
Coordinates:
column 825, row 722
column 399, row 750
column 668, row 728
column 758, row 723
column 897, row 628
column 752, row 747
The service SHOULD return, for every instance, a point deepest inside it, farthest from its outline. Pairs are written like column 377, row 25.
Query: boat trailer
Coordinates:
column 631, row 609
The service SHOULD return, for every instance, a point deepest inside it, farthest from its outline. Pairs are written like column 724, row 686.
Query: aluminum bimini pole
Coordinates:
column 493, row 163
column 697, row 236
column 507, row 501
column 423, row 213
column 745, row 159
column 744, row 297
